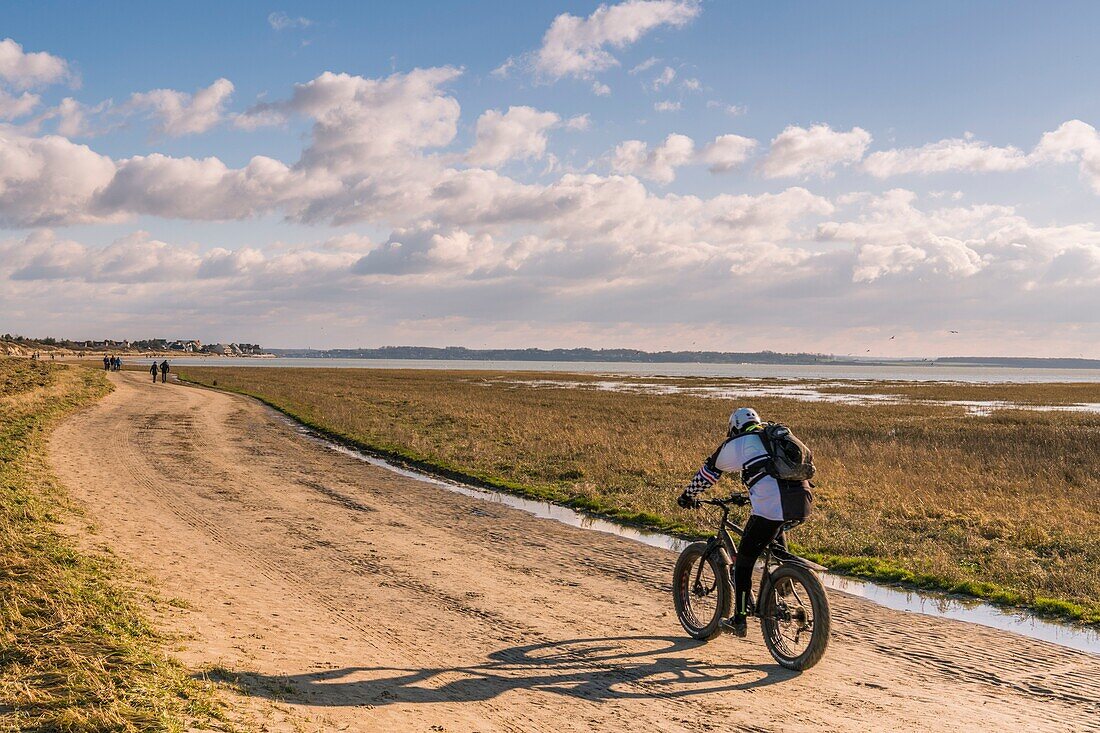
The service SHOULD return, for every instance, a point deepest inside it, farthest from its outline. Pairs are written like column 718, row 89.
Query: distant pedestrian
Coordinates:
column 164, row 371
column 106, row 363
column 118, row 363
column 153, row 371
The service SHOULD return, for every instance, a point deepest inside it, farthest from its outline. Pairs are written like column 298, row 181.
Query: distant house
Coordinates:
column 233, row 349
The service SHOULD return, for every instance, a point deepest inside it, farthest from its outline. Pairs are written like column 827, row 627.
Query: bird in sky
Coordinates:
column 892, row 338
column 953, row 332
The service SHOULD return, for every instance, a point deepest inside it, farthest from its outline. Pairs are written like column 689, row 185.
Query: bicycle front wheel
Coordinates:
column 795, row 617
column 701, row 590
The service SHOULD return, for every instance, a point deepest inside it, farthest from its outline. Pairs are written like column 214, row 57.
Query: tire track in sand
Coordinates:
column 368, row 601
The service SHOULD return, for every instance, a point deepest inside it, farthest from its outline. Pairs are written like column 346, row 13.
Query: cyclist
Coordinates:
column 774, row 502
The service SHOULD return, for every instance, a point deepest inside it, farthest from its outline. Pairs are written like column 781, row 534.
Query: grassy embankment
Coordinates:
column 75, row 653
column 1003, row 507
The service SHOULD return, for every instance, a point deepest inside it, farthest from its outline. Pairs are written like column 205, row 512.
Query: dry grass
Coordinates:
column 1003, row 507
column 75, row 653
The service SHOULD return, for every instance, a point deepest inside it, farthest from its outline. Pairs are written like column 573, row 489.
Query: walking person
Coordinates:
column 153, row 371
column 164, row 371
column 106, row 363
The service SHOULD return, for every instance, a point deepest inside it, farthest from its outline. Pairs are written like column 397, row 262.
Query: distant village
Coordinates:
column 189, row 346
column 17, row 344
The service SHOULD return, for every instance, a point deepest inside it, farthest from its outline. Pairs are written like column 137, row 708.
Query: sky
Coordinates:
column 865, row 178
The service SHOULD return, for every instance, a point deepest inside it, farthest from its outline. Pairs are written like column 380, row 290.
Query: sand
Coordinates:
column 346, row 597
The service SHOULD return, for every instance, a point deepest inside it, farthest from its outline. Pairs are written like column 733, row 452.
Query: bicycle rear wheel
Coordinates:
column 795, row 617
column 701, row 591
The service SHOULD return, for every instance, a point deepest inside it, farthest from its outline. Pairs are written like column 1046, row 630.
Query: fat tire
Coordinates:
column 819, row 602
column 682, row 579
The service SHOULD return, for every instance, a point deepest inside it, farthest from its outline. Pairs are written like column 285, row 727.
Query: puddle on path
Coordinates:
column 929, row 603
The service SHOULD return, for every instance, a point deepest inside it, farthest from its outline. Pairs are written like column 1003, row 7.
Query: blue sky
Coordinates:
column 426, row 238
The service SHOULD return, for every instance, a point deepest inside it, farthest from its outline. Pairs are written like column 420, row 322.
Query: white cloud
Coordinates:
column 359, row 119
column 427, row 249
column 895, row 237
column 207, row 189
column 365, row 159
column 578, row 250
column 665, row 78
column 12, row 107
column 956, row 154
column 727, row 152
column 379, row 152
column 49, row 180
column 519, row 133
column 605, row 254
column 179, row 113
column 23, row 70
column 578, row 47
column 647, row 64
column 259, row 116
column 667, row 106
column 138, row 259
column 634, row 157
column 692, row 85
column 504, row 70
column 578, row 123
column 280, row 21
column 72, row 119
column 724, row 153
column 135, row 258
column 600, row 89
column 800, row 152
column 733, row 110
column 1073, row 142
column 75, row 119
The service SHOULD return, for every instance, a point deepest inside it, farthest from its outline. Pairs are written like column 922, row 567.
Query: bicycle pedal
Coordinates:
column 740, row 630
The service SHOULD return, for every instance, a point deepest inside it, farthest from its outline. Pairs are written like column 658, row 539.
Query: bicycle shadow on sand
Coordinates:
column 597, row 669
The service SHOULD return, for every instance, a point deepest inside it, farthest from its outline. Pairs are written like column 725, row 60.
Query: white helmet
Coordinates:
column 741, row 418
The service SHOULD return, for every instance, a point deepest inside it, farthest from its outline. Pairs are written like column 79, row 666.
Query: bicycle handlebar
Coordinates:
column 739, row 499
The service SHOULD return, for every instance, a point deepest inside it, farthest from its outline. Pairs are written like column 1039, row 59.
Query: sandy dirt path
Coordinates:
column 350, row 598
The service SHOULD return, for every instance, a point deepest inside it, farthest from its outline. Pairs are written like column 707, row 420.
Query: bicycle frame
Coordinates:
column 773, row 555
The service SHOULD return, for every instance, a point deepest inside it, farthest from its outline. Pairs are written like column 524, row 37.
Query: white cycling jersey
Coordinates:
column 746, row 451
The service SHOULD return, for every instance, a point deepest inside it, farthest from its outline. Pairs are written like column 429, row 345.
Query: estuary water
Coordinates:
column 917, row 371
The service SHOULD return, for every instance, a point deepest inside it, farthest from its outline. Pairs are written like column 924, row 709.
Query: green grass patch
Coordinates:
column 76, row 653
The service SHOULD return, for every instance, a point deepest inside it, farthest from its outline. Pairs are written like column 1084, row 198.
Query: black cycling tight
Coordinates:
column 759, row 533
